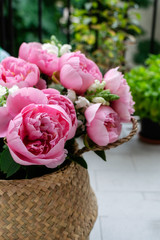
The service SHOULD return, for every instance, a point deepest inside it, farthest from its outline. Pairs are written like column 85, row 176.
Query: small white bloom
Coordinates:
column 100, row 100
column 3, row 91
column 13, row 89
column 66, row 48
column 82, row 102
column 50, row 48
column 71, row 95
column 97, row 85
column 4, row 105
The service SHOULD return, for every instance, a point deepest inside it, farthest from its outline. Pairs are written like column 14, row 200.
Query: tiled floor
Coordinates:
column 127, row 187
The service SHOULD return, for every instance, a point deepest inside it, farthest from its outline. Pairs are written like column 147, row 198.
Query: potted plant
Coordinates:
column 44, row 186
column 144, row 82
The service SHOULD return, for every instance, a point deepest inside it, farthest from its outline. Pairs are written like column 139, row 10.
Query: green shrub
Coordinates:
column 144, row 82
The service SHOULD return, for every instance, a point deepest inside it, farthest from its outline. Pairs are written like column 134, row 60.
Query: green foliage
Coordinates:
column 101, row 154
column 143, row 49
column 101, row 29
column 145, row 88
column 7, row 165
column 25, row 24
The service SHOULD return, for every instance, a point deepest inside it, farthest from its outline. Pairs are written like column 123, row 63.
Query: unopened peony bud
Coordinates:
column 97, row 85
column 100, row 100
column 65, row 49
column 82, row 102
column 3, row 91
column 71, row 95
column 50, row 48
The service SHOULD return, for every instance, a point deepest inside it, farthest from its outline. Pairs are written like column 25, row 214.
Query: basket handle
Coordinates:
column 112, row 145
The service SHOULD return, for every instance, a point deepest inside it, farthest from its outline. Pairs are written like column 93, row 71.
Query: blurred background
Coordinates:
column 115, row 32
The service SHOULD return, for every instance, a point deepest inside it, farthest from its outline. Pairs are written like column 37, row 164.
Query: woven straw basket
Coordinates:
column 58, row 206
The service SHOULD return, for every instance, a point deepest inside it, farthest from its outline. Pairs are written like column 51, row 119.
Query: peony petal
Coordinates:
column 69, row 78
column 5, row 118
column 91, row 112
column 23, row 97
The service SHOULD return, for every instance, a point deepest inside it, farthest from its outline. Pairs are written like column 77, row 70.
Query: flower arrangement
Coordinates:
column 49, row 96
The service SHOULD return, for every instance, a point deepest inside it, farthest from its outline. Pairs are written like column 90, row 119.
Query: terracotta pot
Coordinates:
column 56, row 206
column 150, row 131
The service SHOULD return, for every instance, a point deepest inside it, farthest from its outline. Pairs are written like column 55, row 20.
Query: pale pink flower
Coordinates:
column 78, row 72
column 55, row 98
column 15, row 71
column 118, row 85
column 37, row 135
column 48, row 63
column 103, row 124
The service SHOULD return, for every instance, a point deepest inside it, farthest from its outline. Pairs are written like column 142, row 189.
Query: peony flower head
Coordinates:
column 48, row 63
column 15, row 71
column 116, row 83
column 37, row 135
column 103, row 124
column 78, row 72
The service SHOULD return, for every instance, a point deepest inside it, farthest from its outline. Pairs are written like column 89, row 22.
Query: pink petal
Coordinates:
column 24, row 97
column 5, row 118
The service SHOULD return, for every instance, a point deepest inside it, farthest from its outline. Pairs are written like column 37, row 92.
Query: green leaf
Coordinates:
column 101, row 154
column 7, row 164
column 80, row 161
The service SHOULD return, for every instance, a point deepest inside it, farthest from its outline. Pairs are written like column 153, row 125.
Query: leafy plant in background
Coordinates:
column 25, row 21
column 145, row 87
column 143, row 48
column 101, row 28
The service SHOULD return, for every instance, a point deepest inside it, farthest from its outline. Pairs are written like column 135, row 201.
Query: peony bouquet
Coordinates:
column 49, row 96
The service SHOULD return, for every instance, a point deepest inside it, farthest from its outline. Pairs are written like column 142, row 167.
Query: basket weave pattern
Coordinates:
column 56, row 206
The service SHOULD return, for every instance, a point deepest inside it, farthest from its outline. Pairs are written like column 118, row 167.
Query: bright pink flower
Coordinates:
column 15, row 71
column 54, row 97
column 103, row 124
column 78, row 72
column 37, row 135
column 32, row 52
column 118, row 85
column 16, row 102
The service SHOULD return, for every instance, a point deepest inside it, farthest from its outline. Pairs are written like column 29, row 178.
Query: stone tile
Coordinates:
column 118, row 228
column 96, row 232
column 152, row 196
column 127, row 205
column 115, row 162
column 127, row 181
column 149, row 161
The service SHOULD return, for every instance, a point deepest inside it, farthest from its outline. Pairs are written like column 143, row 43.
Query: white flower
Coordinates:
column 50, row 48
column 97, row 85
column 66, row 48
column 71, row 95
column 82, row 102
column 100, row 100
column 3, row 91
column 13, row 89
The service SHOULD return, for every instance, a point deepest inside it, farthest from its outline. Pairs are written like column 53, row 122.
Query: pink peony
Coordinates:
column 15, row 71
column 54, row 97
column 118, row 85
column 78, row 72
column 16, row 102
column 37, row 135
column 32, row 52
column 103, row 124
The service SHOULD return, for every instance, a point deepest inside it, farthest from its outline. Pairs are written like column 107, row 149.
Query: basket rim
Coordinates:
column 57, row 173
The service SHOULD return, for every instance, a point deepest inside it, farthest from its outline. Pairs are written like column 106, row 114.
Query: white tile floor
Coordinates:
column 127, row 187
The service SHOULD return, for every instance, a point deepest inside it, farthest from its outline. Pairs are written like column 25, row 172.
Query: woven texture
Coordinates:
column 58, row 206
